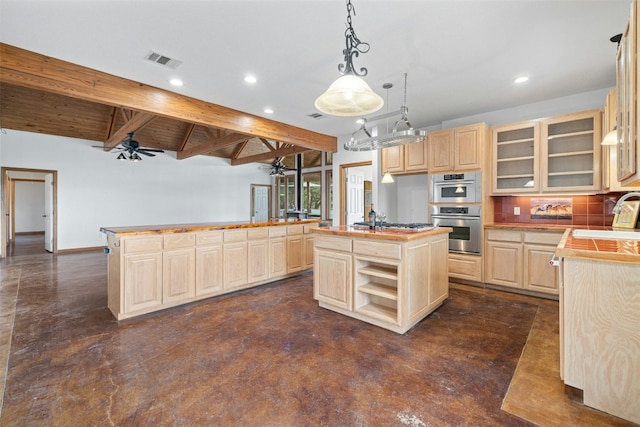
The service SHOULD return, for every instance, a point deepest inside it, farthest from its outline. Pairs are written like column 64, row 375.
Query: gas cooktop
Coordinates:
column 412, row 226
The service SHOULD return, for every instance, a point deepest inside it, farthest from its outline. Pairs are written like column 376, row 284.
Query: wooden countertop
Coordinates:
column 204, row 226
column 384, row 234
column 625, row 251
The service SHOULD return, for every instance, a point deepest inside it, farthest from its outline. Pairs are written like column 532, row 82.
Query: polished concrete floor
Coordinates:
column 269, row 356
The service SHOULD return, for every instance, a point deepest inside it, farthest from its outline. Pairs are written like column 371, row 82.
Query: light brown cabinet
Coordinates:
column 209, row 263
column 391, row 284
column 151, row 273
column 466, row 267
column 628, row 112
column 520, row 259
column 405, row 159
column 555, row 155
column 457, row 149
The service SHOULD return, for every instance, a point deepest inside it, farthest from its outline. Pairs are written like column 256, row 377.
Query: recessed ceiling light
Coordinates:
column 176, row 82
column 250, row 79
column 521, row 79
column 268, row 111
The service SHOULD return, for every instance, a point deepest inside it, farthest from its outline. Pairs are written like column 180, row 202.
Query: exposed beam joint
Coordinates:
column 136, row 123
column 281, row 152
column 213, row 145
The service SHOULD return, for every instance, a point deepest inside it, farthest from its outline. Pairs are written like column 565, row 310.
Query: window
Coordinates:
column 312, row 194
column 329, row 195
column 286, row 195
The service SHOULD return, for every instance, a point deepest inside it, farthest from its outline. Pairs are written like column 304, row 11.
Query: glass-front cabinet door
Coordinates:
column 570, row 152
column 515, row 158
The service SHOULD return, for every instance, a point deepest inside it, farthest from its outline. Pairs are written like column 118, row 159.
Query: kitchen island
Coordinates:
column 600, row 322
column 389, row 278
column 154, row 267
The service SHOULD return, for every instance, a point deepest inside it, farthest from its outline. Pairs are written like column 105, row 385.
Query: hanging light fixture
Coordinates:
column 396, row 137
column 350, row 95
column 387, row 178
column 611, row 138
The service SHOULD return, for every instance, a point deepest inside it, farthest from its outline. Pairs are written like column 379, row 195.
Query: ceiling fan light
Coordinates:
column 349, row 96
column 135, row 157
column 121, row 156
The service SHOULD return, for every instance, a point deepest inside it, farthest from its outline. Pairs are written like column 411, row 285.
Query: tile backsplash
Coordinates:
column 586, row 210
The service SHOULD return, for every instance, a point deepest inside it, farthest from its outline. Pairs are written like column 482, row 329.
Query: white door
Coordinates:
column 48, row 212
column 355, row 196
column 260, row 204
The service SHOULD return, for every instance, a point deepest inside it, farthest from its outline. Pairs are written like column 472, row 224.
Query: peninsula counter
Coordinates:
column 389, row 278
column 155, row 267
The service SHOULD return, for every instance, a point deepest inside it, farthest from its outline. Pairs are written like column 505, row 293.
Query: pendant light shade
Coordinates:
column 348, row 96
column 387, row 178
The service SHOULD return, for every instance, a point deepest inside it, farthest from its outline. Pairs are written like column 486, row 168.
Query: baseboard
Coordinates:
column 76, row 250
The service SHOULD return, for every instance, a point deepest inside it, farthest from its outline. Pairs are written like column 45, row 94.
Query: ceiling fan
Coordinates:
column 130, row 149
column 278, row 167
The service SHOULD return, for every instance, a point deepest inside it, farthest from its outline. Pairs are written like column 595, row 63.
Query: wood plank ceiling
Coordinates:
column 46, row 95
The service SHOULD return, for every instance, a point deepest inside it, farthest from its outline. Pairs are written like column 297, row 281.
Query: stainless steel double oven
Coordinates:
column 455, row 202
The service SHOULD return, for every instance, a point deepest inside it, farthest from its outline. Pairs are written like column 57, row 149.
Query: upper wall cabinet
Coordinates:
column 556, row 155
column 628, row 116
column 570, row 157
column 457, row 149
column 515, row 160
column 405, row 159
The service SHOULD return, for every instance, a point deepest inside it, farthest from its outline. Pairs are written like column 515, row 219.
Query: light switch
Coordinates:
column 516, row 210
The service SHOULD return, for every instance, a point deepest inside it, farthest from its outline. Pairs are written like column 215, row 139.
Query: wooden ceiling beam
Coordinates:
column 281, row 152
column 214, row 144
column 268, row 144
column 137, row 122
column 187, row 135
column 28, row 69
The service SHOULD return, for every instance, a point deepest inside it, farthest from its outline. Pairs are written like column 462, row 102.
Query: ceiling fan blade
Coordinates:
column 154, row 150
column 145, row 153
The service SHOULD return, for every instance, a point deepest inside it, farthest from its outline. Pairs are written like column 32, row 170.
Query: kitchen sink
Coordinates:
column 607, row 234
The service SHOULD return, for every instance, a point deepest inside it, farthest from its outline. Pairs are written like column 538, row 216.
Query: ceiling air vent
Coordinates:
column 317, row 116
column 163, row 60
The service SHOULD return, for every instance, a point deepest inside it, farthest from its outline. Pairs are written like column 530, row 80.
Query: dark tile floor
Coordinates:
column 267, row 356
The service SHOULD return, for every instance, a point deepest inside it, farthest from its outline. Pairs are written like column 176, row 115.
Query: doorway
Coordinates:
column 353, row 178
column 260, row 203
column 10, row 176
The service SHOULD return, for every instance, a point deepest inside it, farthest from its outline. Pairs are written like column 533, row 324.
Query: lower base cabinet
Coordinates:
column 386, row 283
column 150, row 273
column 520, row 259
column 466, row 267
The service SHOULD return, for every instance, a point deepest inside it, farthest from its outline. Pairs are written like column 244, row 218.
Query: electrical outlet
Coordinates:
column 516, row 210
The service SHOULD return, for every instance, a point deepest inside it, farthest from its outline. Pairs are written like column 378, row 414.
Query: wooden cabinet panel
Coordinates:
column 235, row 264
column 179, row 240
column 278, row 254
column 142, row 245
column 209, row 270
column 295, row 253
column 392, row 160
column 332, row 278
column 467, row 153
column 467, row 267
column 178, row 275
column 440, row 151
column 308, row 251
column 142, row 281
column 258, row 260
column 515, row 158
column 504, row 264
column 415, row 157
column 538, row 274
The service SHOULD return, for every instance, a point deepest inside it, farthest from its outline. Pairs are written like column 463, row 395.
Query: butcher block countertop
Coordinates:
column 378, row 234
column 612, row 250
column 140, row 230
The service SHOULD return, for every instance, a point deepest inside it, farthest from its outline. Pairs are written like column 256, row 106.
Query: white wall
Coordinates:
column 96, row 190
column 29, row 206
